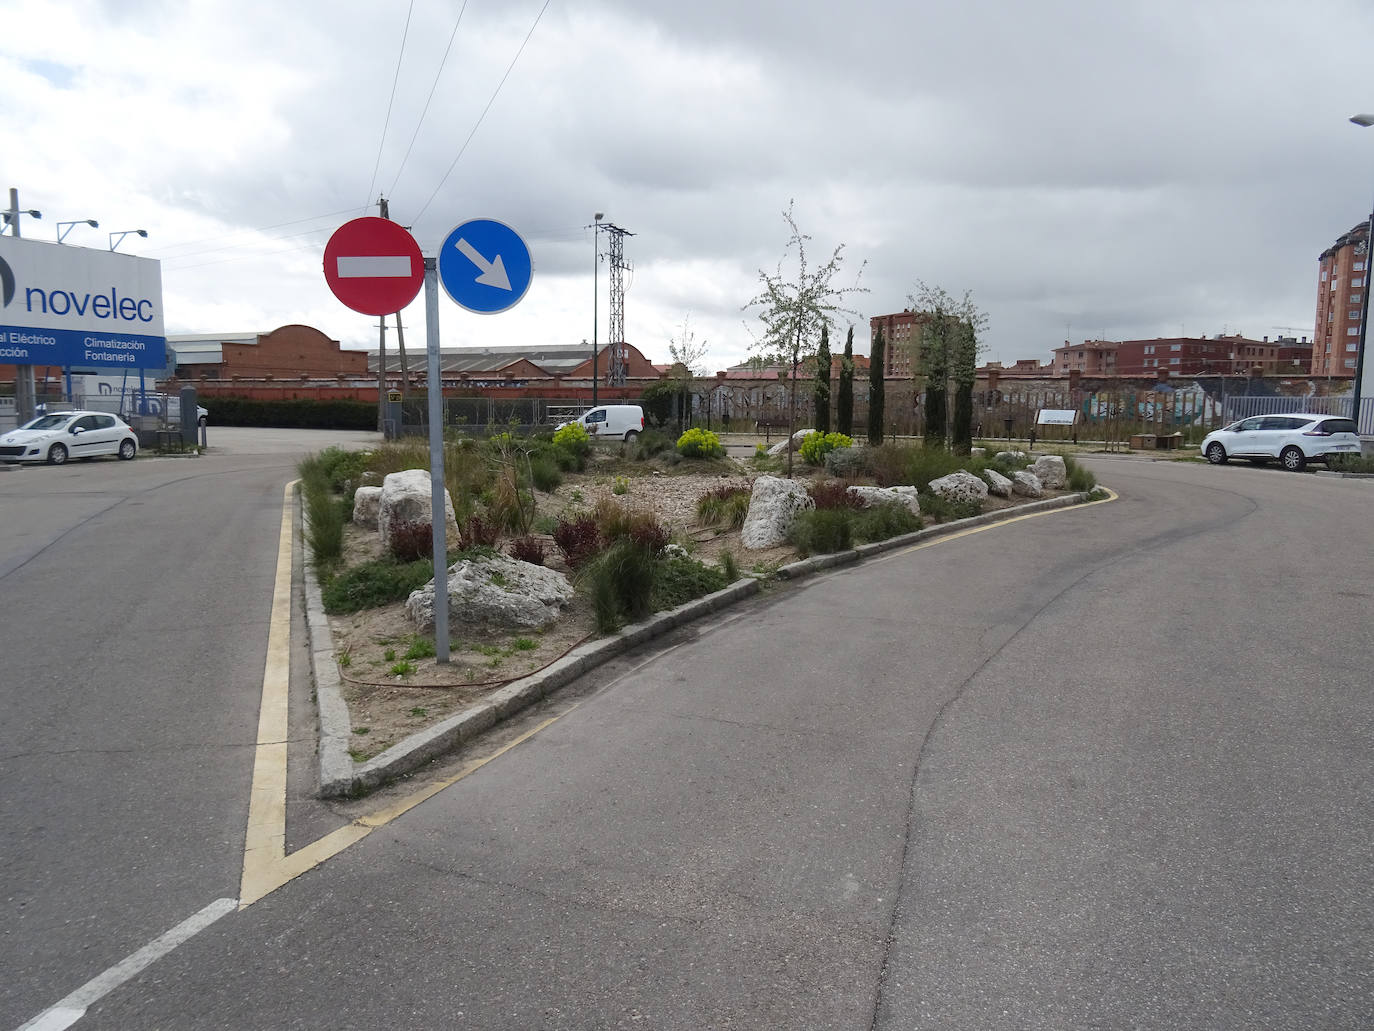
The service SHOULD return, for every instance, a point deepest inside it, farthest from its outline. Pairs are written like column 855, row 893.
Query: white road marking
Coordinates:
column 74, row 1006
column 374, row 267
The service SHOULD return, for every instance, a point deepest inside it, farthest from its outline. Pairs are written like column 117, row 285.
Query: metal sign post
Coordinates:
column 438, row 513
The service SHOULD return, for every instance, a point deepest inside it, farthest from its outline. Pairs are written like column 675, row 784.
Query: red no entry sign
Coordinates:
column 373, row 265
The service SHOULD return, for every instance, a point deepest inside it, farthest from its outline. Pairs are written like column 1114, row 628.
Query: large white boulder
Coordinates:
column 366, row 503
column 498, row 591
column 773, row 506
column 1008, row 456
column 888, row 496
column 781, row 446
column 1027, row 484
column 997, row 483
column 405, row 498
column 960, row 486
column 1050, row 471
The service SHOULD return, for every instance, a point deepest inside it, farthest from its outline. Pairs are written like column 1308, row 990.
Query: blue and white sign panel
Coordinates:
column 79, row 308
column 485, row 266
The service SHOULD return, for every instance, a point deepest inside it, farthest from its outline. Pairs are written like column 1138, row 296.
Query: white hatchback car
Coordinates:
column 62, row 435
column 1294, row 438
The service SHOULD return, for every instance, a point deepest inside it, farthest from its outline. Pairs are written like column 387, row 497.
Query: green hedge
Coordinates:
column 296, row 415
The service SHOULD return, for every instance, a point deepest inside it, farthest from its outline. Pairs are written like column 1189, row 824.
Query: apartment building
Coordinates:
column 1342, row 278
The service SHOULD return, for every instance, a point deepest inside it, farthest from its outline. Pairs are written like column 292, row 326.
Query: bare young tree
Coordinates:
column 684, row 349
column 794, row 306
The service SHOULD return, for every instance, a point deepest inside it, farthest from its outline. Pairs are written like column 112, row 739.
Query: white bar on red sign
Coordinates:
column 376, row 267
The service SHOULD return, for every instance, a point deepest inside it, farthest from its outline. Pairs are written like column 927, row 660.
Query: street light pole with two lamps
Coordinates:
column 1364, row 121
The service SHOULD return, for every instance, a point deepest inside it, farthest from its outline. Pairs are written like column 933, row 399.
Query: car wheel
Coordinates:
column 127, row 449
column 1293, row 459
column 57, row 454
column 1216, row 454
column 630, row 436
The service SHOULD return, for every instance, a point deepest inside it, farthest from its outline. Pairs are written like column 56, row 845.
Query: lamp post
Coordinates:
column 596, row 260
column 62, row 233
column 1364, row 121
column 128, row 232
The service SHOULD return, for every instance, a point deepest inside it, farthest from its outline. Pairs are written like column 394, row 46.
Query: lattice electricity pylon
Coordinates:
column 615, row 343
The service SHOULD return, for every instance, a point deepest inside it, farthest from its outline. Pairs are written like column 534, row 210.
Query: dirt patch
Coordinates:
column 393, row 686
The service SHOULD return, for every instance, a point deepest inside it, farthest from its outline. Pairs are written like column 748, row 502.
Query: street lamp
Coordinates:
column 62, row 233
column 128, row 232
column 1364, row 121
column 596, row 260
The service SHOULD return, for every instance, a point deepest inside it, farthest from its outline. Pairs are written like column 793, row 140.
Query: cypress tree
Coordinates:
column 875, row 390
column 844, row 403
column 822, row 392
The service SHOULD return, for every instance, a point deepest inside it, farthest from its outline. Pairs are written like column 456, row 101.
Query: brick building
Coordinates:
column 1342, row 278
column 288, row 352
column 1184, row 356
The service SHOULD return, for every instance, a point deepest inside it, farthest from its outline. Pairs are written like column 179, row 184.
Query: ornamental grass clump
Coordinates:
column 620, row 581
column 699, row 443
column 833, row 494
column 1079, row 478
column 884, row 521
column 724, row 507
column 411, row 540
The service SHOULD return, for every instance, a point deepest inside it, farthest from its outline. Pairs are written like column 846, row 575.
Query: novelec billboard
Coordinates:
column 79, row 308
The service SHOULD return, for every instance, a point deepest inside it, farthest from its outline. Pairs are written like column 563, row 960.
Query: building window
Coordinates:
column 1354, row 298
column 1150, row 349
column 1323, row 275
column 1176, row 347
column 1353, row 347
column 1358, row 266
column 1350, row 363
column 1357, row 281
column 1175, row 361
column 1353, row 331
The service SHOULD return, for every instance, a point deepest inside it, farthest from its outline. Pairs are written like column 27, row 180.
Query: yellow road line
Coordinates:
column 1111, row 496
column 266, row 866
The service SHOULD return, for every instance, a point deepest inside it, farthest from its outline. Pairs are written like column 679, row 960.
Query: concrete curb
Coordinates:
column 341, row 776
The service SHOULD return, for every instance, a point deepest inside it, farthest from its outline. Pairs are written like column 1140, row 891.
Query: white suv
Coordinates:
column 1294, row 438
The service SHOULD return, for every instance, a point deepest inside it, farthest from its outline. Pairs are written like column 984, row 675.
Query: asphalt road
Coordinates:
column 1109, row 767
column 135, row 600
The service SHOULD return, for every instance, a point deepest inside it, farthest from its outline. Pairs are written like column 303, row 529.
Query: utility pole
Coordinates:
column 381, row 348
column 615, row 362
column 25, row 389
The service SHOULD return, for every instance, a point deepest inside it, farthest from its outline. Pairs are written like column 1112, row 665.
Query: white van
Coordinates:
column 618, row 422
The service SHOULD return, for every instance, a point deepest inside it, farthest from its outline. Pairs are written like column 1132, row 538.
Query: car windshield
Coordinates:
column 46, row 422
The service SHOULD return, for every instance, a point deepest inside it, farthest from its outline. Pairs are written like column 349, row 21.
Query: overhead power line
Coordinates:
column 483, row 115
column 385, row 124
column 433, row 86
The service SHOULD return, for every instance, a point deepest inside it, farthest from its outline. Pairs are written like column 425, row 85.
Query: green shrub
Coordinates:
column 846, row 463
column 699, row 443
column 816, row 445
column 545, row 474
column 885, row 521
column 420, row 648
column 942, row 510
column 574, row 439
column 821, row 531
column 1351, row 463
column 343, row 468
column 680, row 579
column 374, row 584
column 650, row 443
column 621, row 486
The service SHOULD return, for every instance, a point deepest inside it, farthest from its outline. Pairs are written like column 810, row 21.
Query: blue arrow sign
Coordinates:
column 485, row 266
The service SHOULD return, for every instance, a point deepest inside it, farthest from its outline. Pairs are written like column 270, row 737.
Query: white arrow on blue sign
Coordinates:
column 485, row 266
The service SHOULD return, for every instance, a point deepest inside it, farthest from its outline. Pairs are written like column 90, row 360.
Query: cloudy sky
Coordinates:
column 1125, row 169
